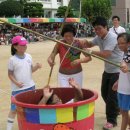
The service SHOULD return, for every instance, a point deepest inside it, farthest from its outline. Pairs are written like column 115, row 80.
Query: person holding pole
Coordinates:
column 122, row 86
column 107, row 43
column 70, row 61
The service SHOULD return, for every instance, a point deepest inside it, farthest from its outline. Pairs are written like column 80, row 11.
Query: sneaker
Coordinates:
column 108, row 126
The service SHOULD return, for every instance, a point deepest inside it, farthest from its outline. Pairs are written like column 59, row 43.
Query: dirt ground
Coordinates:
column 40, row 51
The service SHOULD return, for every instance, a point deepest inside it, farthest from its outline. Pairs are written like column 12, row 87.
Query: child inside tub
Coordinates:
column 50, row 98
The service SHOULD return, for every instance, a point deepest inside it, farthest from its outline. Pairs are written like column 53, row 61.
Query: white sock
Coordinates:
column 10, row 123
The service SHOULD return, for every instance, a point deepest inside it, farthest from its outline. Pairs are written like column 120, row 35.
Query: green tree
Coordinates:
column 61, row 12
column 33, row 9
column 75, row 4
column 23, row 1
column 93, row 8
column 10, row 8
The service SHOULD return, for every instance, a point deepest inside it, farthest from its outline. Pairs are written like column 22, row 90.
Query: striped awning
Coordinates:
column 44, row 20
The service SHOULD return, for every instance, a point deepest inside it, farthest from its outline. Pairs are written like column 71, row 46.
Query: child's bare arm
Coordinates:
column 87, row 58
column 78, row 91
column 12, row 78
column 115, row 86
column 51, row 58
column 36, row 67
column 81, row 60
column 124, row 67
column 47, row 94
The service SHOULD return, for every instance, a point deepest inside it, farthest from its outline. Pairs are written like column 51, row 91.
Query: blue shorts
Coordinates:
column 13, row 106
column 124, row 101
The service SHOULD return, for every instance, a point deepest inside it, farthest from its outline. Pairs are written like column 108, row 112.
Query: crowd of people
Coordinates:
column 114, row 45
column 49, row 30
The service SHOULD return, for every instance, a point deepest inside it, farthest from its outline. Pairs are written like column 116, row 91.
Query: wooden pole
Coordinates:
column 66, row 14
column 59, row 42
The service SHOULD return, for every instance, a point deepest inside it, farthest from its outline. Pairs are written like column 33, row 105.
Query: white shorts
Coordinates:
column 63, row 79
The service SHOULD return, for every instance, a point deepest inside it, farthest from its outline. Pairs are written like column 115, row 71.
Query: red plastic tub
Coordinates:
column 73, row 116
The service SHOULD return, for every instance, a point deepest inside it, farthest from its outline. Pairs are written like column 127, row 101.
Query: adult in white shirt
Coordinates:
column 117, row 29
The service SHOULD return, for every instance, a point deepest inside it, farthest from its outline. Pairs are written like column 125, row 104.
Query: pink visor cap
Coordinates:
column 19, row 40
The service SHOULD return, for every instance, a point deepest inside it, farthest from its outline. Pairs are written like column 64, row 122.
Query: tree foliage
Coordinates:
column 33, row 9
column 23, row 1
column 10, row 8
column 61, row 12
column 75, row 4
column 93, row 8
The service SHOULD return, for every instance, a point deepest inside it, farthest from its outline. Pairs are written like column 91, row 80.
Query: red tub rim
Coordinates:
column 79, row 103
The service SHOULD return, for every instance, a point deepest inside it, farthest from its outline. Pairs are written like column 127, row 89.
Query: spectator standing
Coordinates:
column 117, row 29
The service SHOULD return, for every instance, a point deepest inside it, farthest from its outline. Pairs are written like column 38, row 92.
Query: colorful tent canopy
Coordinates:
column 44, row 20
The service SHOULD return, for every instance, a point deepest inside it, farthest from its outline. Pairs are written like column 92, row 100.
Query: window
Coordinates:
column 113, row 2
column 128, row 14
column 58, row 0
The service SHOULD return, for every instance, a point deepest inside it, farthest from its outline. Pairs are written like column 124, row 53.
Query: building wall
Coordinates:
column 128, row 11
column 51, row 6
column 121, row 8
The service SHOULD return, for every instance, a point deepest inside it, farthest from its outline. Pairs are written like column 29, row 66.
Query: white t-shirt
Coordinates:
column 71, row 101
column 124, row 78
column 22, row 70
column 109, row 42
column 124, row 83
column 117, row 30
